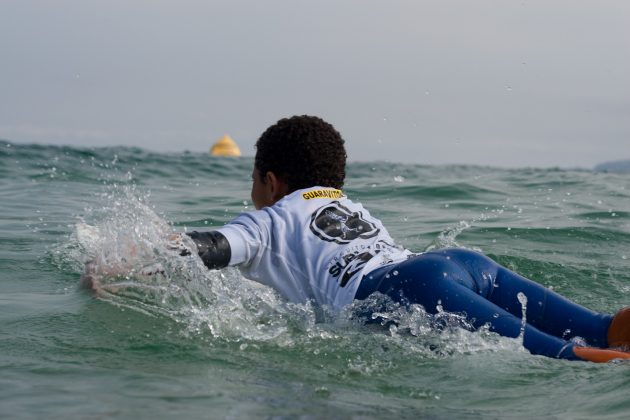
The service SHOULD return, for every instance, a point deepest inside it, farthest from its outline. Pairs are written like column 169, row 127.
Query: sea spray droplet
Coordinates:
column 523, row 301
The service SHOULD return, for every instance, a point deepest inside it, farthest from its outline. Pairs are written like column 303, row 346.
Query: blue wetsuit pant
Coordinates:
column 463, row 281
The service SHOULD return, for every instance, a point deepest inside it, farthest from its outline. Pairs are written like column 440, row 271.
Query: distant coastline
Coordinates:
column 614, row 166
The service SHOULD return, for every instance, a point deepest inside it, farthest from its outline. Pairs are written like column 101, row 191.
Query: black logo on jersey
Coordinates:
column 351, row 263
column 335, row 223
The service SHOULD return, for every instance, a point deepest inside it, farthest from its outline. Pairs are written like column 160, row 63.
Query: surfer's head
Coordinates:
column 299, row 152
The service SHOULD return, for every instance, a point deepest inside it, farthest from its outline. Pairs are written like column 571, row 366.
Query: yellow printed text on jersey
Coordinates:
column 324, row 193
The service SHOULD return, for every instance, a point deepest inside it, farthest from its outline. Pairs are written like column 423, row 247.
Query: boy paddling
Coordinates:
column 310, row 242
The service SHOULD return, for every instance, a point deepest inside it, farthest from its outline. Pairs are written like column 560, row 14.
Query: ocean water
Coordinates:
column 195, row 343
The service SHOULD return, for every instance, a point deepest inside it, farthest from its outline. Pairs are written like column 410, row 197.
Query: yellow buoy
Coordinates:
column 225, row 146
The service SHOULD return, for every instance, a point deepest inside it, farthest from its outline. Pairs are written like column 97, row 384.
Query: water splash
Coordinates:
column 137, row 265
column 448, row 237
column 130, row 256
column 438, row 335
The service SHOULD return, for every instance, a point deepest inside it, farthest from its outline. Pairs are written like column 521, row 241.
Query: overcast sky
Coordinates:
column 502, row 83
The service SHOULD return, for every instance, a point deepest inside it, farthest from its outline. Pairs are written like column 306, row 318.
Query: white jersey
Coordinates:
column 313, row 244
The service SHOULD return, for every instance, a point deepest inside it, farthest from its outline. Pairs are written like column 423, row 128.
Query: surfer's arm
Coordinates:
column 213, row 248
column 236, row 243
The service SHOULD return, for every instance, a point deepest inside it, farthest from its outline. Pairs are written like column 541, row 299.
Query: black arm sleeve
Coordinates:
column 214, row 248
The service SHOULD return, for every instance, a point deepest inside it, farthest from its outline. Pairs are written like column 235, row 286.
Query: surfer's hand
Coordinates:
column 88, row 278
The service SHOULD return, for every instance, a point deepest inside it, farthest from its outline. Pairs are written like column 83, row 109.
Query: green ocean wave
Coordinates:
column 204, row 340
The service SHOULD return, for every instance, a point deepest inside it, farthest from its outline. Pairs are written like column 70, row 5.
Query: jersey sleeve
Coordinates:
column 246, row 234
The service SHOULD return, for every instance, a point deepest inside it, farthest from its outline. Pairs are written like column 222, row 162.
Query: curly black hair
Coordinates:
column 304, row 151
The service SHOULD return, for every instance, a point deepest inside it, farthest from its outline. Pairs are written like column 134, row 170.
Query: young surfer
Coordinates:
column 309, row 241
